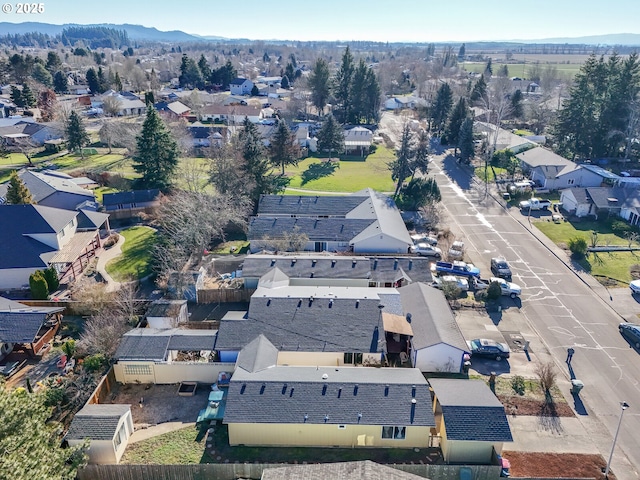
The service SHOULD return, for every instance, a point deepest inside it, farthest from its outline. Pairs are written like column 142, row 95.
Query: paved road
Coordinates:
column 561, row 306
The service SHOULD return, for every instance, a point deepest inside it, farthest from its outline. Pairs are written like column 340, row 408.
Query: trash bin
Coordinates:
column 576, row 386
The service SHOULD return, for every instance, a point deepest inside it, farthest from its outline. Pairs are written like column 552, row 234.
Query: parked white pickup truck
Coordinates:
column 535, row 204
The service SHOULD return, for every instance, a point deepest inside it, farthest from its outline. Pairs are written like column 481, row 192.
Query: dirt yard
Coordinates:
column 160, row 403
column 516, row 405
column 549, row 465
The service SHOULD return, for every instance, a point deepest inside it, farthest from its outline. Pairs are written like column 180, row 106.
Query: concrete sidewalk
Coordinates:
column 156, row 430
column 103, row 259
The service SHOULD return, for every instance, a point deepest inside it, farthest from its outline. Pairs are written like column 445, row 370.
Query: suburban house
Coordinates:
column 35, row 237
column 128, row 103
column 363, row 222
column 505, row 139
column 470, row 420
column 14, row 132
column 311, row 325
column 230, row 114
column 132, row 203
column 204, row 135
column 165, row 313
column 401, row 103
column 362, row 470
column 436, row 343
column 107, row 427
column 339, row 270
column 29, row 328
column 173, row 110
column 165, row 356
column 603, row 202
column 357, row 141
column 351, row 407
column 54, row 189
column 241, row 86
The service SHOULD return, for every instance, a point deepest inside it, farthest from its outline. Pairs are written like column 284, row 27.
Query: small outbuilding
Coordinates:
column 107, row 427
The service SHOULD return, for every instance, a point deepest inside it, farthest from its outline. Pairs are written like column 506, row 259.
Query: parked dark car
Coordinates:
column 483, row 347
column 500, row 268
column 631, row 332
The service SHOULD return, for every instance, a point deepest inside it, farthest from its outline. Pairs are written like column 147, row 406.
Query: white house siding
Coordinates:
column 580, row 177
column 630, row 215
column 329, row 282
column 570, row 204
column 328, row 435
column 53, row 240
column 438, row 358
column 168, row 373
column 100, row 452
column 382, row 243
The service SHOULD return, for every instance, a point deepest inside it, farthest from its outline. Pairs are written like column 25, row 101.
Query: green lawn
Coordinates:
column 348, row 175
column 135, row 261
column 174, row 448
column 521, row 69
column 607, row 264
column 479, row 172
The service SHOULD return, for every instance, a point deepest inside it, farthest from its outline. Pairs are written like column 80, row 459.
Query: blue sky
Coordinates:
column 380, row 20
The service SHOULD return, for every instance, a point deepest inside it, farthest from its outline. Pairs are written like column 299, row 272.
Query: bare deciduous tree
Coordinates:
column 111, row 105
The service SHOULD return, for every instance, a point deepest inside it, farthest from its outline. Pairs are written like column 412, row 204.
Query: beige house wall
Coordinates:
column 100, row 451
column 329, row 435
column 168, row 373
column 325, row 359
column 459, row 451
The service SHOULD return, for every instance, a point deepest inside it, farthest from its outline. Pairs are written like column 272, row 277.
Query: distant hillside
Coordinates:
column 135, row 32
column 631, row 39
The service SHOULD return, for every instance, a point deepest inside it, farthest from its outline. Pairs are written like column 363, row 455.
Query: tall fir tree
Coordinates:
column 465, row 140
column 420, row 162
column 441, row 107
column 17, row 192
column 77, row 136
column 479, row 90
column 319, row 84
column 342, row 87
column 401, row 166
column 156, row 157
column 28, row 98
column 452, row 130
column 93, row 82
column 60, row 83
column 284, row 149
column 330, row 136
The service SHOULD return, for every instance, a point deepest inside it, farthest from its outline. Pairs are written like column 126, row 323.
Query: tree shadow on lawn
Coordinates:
column 319, row 170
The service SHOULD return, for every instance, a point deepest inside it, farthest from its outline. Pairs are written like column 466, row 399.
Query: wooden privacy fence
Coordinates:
column 254, row 471
column 103, row 390
column 224, row 295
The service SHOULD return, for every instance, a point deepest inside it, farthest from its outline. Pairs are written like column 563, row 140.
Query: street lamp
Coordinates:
column 623, row 406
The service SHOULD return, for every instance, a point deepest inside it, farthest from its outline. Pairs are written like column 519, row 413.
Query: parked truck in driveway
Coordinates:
column 535, row 204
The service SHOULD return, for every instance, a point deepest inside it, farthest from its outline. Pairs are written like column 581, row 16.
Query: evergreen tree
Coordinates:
column 319, row 84
column 255, row 91
column 401, row 166
column 224, row 75
column 503, row 71
column 461, row 52
column 93, row 82
column 156, row 157
column 16, row 96
column 373, row 94
column 330, row 136
column 479, row 90
column 77, row 136
column 42, row 75
column 284, row 149
column 441, row 107
column 465, row 140
column 517, row 110
column 117, row 82
column 38, row 286
column 205, row 69
column 60, row 83
column 30, row 443
column 342, row 88
column 257, row 168
column 51, row 276
column 289, row 72
column 28, row 98
column 54, row 64
column 190, row 75
column 149, row 99
column 358, row 93
column 17, row 191
column 420, row 162
column 284, row 82
column 488, row 70
column 458, row 115
column 103, row 84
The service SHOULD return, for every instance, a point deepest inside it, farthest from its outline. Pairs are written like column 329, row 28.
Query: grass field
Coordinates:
column 491, row 173
column 345, row 176
column 608, row 264
column 174, row 448
column 521, row 69
column 135, row 261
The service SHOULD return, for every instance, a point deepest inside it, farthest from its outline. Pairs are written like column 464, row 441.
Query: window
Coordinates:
column 348, row 358
column 570, row 182
column 357, row 358
column 120, row 436
column 137, row 370
column 394, row 433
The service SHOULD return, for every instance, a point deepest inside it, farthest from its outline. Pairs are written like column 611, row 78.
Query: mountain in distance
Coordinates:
column 630, row 39
column 135, row 32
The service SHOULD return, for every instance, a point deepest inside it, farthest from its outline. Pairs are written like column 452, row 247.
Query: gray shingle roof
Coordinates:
column 364, row 470
column 335, row 206
column 97, row 422
column 377, row 269
column 143, row 344
column 471, row 411
column 292, row 323
column 320, row 229
column 189, row 340
column 91, row 220
column 432, row 320
column 133, row 196
column 257, row 355
column 286, row 394
column 539, row 156
column 626, row 197
column 20, row 327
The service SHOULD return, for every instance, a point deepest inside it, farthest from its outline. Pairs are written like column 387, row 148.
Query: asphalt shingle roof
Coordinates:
column 20, row 327
column 334, row 206
column 97, row 422
column 432, row 320
column 292, row 322
column 203, row 340
column 347, row 396
column 317, row 229
column 257, row 355
column 143, row 344
column 471, row 411
column 133, row 196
